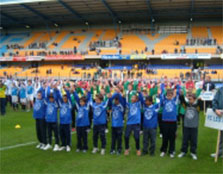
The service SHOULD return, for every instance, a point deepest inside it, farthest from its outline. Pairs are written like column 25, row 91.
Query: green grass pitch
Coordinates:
column 28, row 159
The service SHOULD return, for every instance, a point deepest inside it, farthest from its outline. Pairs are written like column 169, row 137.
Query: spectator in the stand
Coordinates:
column 215, row 41
column 75, row 50
column 175, row 50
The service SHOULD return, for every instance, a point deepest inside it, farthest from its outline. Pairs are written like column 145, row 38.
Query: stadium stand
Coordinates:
column 131, row 44
column 199, row 32
column 217, row 33
column 170, row 43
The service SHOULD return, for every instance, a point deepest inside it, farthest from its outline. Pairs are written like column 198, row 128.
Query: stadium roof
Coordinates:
column 21, row 13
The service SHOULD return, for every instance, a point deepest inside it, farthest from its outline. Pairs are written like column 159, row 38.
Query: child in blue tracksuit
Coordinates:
column 14, row 97
column 51, row 119
column 99, row 120
column 22, row 96
column 169, row 120
column 30, row 91
column 117, row 122
column 82, row 121
column 150, row 119
column 65, row 121
column 133, row 122
column 39, row 111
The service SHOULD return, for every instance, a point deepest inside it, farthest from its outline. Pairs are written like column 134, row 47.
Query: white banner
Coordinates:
column 213, row 121
column 186, row 56
column 207, row 96
column 5, row 59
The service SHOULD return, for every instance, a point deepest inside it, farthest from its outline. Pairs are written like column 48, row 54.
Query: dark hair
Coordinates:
column 116, row 98
column 149, row 98
column 169, row 91
column 51, row 96
column 192, row 95
column 100, row 96
column 84, row 99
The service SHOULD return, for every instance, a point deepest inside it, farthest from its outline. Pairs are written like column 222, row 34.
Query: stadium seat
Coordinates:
column 199, row 32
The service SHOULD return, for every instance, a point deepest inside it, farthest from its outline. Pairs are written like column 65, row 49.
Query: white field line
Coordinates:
column 21, row 145
column 17, row 145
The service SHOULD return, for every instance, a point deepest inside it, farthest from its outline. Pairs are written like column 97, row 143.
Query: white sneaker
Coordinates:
column 182, row 154
column 141, row 132
column 106, row 131
column 84, row 151
column 162, row 154
column 62, row 148
column 77, row 150
column 95, row 150
column 102, row 151
column 48, row 146
column 42, row 146
column 56, row 148
column 39, row 145
column 68, row 149
column 194, row 156
column 161, row 136
column 213, row 155
column 171, row 155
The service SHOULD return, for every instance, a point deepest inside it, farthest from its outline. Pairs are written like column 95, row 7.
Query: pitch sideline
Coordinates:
column 21, row 145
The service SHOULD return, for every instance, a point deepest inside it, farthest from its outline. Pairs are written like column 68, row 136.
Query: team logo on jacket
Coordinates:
column 133, row 110
column 81, row 113
column 37, row 106
column 97, row 111
column 190, row 114
column 115, row 114
column 63, row 110
column 148, row 114
column 169, row 107
column 50, row 109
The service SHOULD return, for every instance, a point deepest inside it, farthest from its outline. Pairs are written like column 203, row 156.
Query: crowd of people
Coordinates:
column 105, row 44
column 201, row 42
column 143, row 105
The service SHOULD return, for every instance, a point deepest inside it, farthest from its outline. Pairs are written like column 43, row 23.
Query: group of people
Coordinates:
column 138, row 106
column 201, row 41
